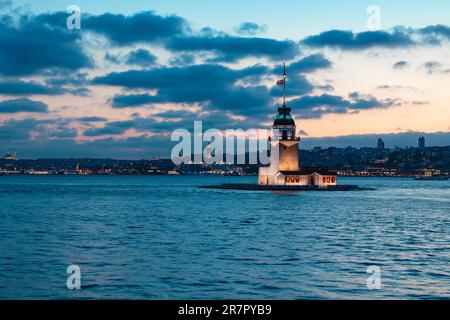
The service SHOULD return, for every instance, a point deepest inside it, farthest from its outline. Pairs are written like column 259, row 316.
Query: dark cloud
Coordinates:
column 214, row 86
column 173, row 32
column 5, row 4
column 144, row 26
column 34, row 138
column 250, row 29
column 133, row 100
column 111, row 128
column 400, row 65
column 65, row 78
column 311, row 107
column 228, row 48
column 91, row 119
column 296, row 85
column 18, row 87
column 14, row 130
column 111, row 58
column 63, row 132
column 182, row 59
column 435, row 33
column 303, row 133
column 168, row 121
column 144, row 125
column 30, row 131
column 309, row 64
column 70, row 84
column 435, row 67
column 29, row 47
column 141, row 57
column 347, row 40
column 180, row 114
column 22, row 105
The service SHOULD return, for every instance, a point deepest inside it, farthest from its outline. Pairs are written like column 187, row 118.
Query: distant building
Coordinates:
column 11, row 156
column 422, row 142
column 380, row 144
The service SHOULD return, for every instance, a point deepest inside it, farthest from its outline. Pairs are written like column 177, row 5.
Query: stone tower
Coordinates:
column 284, row 143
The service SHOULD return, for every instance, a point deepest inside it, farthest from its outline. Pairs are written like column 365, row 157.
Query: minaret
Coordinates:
column 284, row 142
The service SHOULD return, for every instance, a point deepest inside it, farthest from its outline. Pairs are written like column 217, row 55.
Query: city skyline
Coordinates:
column 135, row 72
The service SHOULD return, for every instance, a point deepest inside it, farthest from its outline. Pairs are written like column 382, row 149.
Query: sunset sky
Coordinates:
column 137, row 70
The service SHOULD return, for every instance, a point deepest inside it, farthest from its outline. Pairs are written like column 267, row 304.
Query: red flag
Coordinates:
column 280, row 82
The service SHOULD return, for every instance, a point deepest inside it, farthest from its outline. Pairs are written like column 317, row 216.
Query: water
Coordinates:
column 163, row 238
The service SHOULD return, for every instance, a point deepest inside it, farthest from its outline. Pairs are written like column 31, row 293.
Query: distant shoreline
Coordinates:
column 185, row 175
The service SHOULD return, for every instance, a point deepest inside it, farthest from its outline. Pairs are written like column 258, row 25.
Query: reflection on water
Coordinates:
column 163, row 238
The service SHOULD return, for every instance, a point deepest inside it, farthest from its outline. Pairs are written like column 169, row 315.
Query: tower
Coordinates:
column 284, row 143
column 380, row 144
column 284, row 169
column 422, row 142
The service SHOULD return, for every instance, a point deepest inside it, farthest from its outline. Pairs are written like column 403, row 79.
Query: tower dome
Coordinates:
column 284, row 117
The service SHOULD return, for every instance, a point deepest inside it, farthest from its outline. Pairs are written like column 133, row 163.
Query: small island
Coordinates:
column 284, row 171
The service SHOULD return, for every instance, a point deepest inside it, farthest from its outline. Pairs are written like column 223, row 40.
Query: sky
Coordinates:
column 137, row 70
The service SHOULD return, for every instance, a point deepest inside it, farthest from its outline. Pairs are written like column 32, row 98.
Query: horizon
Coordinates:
column 74, row 157
column 122, row 88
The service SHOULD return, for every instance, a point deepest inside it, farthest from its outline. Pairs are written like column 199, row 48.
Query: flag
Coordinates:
column 280, row 82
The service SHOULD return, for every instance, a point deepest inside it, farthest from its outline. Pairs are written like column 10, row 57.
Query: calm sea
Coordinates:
column 149, row 237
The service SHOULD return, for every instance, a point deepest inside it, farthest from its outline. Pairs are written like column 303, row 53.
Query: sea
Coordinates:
column 162, row 237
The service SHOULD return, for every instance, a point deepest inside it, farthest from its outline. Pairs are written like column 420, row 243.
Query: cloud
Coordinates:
column 296, row 85
column 400, row 65
column 34, row 138
column 348, row 40
column 29, row 47
column 170, row 120
column 111, row 58
column 309, row 64
column 250, row 28
column 435, row 67
column 63, row 132
column 144, row 26
column 5, row 4
column 111, row 128
column 303, row 133
column 133, row 100
column 214, row 86
column 13, row 130
column 140, row 124
column 91, row 119
column 31, row 131
column 18, row 87
column 435, row 33
column 22, row 105
column 229, row 49
column 141, row 57
column 174, row 33
column 182, row 60
column 312, row 107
